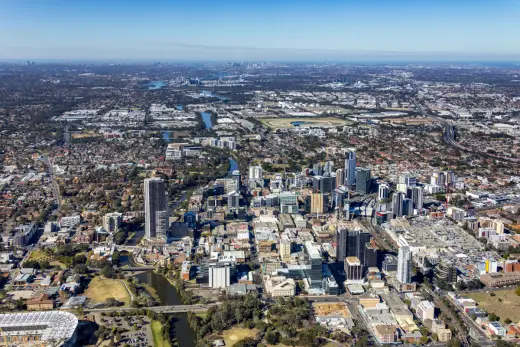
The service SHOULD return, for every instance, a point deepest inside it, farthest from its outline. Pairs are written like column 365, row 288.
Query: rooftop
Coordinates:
column 51, row 325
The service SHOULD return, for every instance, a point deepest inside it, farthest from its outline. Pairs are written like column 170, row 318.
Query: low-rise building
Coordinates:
column 385, row 333
column 425, row 310
column 500, row 279
column 438, row 327
column 495, row 328
column 185, row 270
column 277, row 286
column 42, row 302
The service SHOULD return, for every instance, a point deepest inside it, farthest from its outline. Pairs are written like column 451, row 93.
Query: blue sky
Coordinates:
column 260, row 30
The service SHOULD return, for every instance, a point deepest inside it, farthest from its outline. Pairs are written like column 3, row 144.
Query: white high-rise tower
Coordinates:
column 255, row 173
column 404, row 265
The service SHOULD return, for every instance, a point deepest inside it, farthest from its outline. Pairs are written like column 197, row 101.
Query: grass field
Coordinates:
column 38, row 255
column 158, row 340
column 505, row 304
column 236, row 334
column 100, row 289
column 284, row 123
column 86, row 135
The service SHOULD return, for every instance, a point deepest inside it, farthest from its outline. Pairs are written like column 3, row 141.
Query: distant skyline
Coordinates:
column 295, row 30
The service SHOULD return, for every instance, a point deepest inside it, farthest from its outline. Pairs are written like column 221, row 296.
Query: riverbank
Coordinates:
column 181, row 332
column 185, row 295
column 151, row 290
column 157, row 333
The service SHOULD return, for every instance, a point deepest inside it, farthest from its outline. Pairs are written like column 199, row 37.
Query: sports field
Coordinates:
column 100, row 289
column 286, row 123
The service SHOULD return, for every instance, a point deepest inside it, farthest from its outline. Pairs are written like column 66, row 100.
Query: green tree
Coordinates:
column 79, row 259
column 247, row 342
column 107, row 271
column 272, row 337
column 493, row 317
column 81, row 269
column 454, row 342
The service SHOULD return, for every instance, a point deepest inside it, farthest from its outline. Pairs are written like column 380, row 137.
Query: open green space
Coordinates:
column 158, row 340
column 100, row 289
column 505, row 303
column 38, row 255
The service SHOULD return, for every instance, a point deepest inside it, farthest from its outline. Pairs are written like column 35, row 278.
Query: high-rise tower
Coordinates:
column 404, row 265
column 350, row 167
column 154, row 208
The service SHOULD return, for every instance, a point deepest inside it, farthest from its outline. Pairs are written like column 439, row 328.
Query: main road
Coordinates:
column 205, row 307
column 165, row 309
column 449, row 135
column 50, row 172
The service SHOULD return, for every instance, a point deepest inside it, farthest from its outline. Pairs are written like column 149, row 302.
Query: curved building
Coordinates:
column 51, row 328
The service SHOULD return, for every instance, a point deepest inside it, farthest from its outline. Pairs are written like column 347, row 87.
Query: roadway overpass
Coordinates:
column 137, row 268
column 164, row 309
column 205, row 307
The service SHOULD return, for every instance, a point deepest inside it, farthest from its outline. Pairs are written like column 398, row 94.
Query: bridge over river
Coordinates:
column 164, row 309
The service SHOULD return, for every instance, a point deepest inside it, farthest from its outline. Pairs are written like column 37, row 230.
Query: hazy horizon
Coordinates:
column 284, row 30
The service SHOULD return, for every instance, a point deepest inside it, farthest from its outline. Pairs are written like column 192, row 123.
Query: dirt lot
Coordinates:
column 331, row 309
column 21, row 294
column 505, row 304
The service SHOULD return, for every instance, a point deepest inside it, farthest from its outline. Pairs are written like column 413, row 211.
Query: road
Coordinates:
column 55, row 186
column 164, row 309
column 329, row 299
column 483, row 338
column 137, row 268
column 449, row 135
column 382, row 243
column 462, row 334
column 128, row 290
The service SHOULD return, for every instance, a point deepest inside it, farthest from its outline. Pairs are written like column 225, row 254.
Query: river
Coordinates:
column 168, row 296
column 233, row 165
column 206, row 117
column 167, row 136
